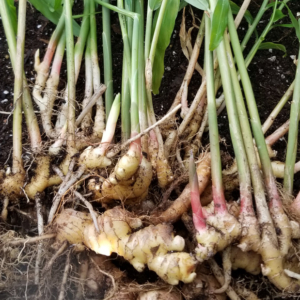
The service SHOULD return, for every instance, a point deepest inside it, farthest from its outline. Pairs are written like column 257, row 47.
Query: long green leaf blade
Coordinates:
column 201, row 4
column 12, row 14
column 219, row 23
column 274, row 46
column 154, row 4
column 164, row 38
column 53, row 16
column 294, row 22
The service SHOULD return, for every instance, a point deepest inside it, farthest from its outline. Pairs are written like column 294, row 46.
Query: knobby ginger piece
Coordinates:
column 149, row 246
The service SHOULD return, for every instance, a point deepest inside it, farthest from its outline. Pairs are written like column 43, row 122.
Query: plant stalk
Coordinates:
column 17, row 166
column 30, row 117
column 71, row 76
column 107, row 59
column 216, row 168
column 291, row 151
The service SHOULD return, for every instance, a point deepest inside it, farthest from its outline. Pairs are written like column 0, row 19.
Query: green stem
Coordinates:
column 82, row 38
column 117, row 9
column 261, row 38
column 139, row 5
column 257, row 182
column 255, row 120
column 216, row 168
column 107, row 59
column 134, row 109
column 86, row 122
column 242, row 140
column 125, row 114
column 157, row 30
column 254, row 24
column 31, row 120
column 126, row 77
column 293, row 135
column 148, row 32
column 129, row 6
column 71, row 76
column 18, row 91
column 126, row 42
column 99, row 124
column 267, row 124
column 135, row 125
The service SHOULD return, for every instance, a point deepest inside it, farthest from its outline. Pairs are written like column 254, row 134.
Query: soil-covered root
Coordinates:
column 13, row 186
column 131, row 190
column 148, row 246
column 103, row 278
column 159, row 295
column 202, row 286
column 183, row 203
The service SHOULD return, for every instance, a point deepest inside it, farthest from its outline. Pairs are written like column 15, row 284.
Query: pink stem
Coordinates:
column 50, row 52
column 198, row 216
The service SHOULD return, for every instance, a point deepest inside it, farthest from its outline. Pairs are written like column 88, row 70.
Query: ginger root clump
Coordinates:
column 149, row 246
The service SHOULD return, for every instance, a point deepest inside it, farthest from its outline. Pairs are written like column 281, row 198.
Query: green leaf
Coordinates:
column 182, row 5
column 283, row 25
column 201, row 4
column 294, row 22
column 54, row 5
column 163, row 42
column 154, row 4
column 12, row 14
column 278, row 15
column 273, row 4
column 219, row 23
column 53, row 16
column 270, row 45
column 235, row 10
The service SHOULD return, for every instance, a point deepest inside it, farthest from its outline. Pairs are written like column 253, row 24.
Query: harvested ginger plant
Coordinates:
column 199, row 202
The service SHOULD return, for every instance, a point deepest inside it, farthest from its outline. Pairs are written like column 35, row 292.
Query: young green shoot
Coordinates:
column 272, row 253
column 99, row 124
column 31, row 120
column 18, row 91
column 71, row 76
column 107, row 58
column 222, row 228
column 95, row 158
column 292, row 145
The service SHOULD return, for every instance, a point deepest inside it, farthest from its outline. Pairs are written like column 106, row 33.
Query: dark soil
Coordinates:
column 271, row 74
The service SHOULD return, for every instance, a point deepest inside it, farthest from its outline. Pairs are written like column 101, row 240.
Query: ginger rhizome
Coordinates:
column 154, row 246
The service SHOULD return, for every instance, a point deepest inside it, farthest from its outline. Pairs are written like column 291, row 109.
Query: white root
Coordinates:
column 108, row 275
column 40, row 220
column 218, row 274
column 69, row 180
column 64, row 279
column 227, row 266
